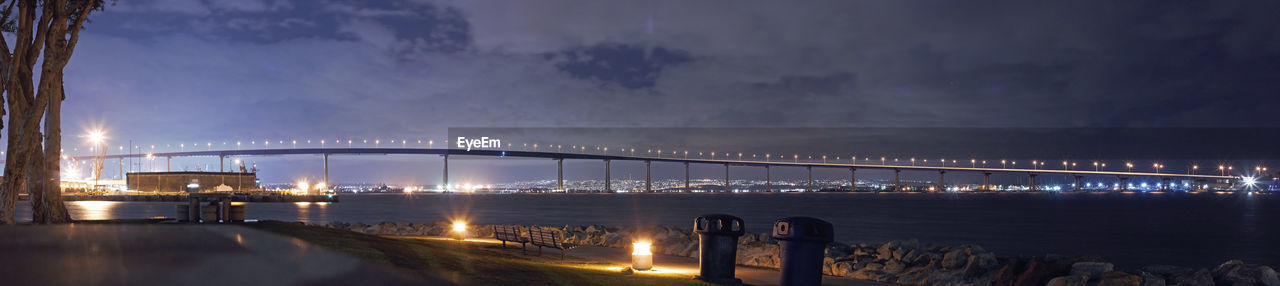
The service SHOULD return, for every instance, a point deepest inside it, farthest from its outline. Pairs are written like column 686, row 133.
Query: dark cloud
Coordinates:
column 202, row 71
column 628, row 66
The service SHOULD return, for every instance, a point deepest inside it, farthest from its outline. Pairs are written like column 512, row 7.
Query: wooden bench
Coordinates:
column 510, row 233
column 546, row 237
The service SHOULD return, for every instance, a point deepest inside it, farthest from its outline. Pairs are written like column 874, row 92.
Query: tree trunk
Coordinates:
column 53, row 211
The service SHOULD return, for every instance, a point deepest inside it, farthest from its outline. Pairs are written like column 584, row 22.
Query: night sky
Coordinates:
column 167, row 72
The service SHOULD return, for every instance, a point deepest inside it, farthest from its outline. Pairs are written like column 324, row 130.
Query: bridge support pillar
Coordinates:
column 768, row 180
column 1031, row 182
column 727, row 189
column 809, row 187
column 221, row 159
column 445, row 186
column 1164, row 184
column 686, row 178
column 608, row 187
column 648, row 177
column 326, row 169
column 897, row 180
column 942, row 186
column 986, row 181
column 1078, row 186
column 1124, row 183
column 560, row 175
column 168, row 164
column 853, row 179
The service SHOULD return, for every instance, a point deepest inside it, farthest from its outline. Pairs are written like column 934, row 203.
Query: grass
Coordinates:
column 465, row 264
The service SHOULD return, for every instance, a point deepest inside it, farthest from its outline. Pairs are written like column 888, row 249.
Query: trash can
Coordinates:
column 718, row 247
column 802, row 241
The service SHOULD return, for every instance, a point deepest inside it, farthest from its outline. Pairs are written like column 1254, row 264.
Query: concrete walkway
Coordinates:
column 662, row 263
column 749, row 275
column 160, row 254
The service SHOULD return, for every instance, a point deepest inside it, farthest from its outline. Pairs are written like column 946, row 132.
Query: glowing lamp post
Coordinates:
column 460, row 230
column 641, row 255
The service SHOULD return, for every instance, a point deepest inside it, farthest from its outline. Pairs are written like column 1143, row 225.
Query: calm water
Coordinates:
column 1129, row 229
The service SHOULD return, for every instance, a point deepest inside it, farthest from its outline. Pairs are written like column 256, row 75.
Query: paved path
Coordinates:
column 663, row 263
column 162, row 254
column 749, row 275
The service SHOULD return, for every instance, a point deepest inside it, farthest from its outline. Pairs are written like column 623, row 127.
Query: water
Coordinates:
column 1197, row 230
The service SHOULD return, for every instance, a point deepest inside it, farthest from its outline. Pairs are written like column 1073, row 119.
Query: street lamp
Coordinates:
column 1129, row 165
column 1002, row 164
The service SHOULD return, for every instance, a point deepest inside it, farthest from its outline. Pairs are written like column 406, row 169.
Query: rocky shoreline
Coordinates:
column 902, row 261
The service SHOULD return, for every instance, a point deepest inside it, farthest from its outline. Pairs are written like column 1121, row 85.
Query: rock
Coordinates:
column 894, row 266
column 627, row 271
column 873, row 266
column 843, row 268
column 926, row 258
column 1092, row 269
column 1149, row 279
column 835, row 249
column 690, row 250
column 954, row 259
column 1200, row 277
column 1117, row 278
column 1040, row 271
column 1269, row 276
column 1007, row 273
column 1070, row 280
column 886, row 251
column 1166, row 271
column 1235, row 272
column 979, row 264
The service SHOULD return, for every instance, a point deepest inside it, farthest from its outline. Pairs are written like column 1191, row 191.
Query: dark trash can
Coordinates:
column 718, row 247
column 802, row 241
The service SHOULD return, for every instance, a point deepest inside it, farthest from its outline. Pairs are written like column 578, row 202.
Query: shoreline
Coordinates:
column 905, row 261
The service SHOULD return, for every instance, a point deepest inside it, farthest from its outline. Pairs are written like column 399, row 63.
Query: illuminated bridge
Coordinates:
column 1031, row 174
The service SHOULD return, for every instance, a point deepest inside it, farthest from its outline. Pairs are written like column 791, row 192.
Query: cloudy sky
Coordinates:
column 168, row 72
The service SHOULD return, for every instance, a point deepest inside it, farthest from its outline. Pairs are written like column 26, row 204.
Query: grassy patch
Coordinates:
column 465, row 263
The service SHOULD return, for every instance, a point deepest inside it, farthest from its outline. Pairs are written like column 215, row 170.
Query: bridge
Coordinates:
column 1123, row 177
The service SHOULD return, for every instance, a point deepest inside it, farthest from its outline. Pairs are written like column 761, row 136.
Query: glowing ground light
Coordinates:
column 641, row 255
column 460, row 228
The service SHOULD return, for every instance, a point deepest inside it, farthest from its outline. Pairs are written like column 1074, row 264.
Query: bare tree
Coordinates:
column 34, row 159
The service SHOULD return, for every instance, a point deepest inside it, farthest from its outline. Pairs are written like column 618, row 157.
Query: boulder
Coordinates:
column 1199, row 277
column 1117, row 278
column 1150, row 279
column 954, row 259
column 1091, row 269
column 1235, row 272
column 979, row 264
column 1007, row 273
column 894, row 266
column 843, row 268
column 1069, row 280
column 1040, row 271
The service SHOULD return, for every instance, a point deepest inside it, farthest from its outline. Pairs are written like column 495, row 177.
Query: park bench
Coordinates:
column 546, row 237
column 505, row 233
